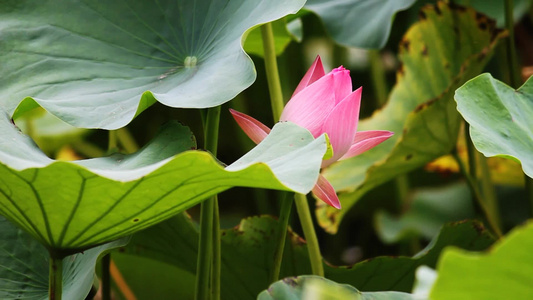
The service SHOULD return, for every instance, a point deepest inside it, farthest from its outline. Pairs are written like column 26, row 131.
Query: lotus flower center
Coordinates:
column 190, row 61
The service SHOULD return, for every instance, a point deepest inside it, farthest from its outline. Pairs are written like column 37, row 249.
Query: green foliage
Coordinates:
column 24, row 267
column 428, row 210
column 496, row 9
column 499, row 117
column 247, row 254
column 71, row 206
column 89, row 62
column 420, row 110
column 398, row 273
column 358, row 23
column 315, row 287
column 504, row 272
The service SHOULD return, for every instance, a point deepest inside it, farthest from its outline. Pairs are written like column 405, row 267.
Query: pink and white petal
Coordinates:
column 325, row 192
column 315, row 72
column 365, row 140
column 341, row 125
column 310, row 107
column 254, row 129
column 342, row 83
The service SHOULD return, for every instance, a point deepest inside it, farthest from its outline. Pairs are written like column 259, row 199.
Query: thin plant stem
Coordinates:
column 471, row 152
column 121, row 283
column 207, row 211
column 378, row 77
column 125, row 138
column 271, row 66
column 217, row 255
column 477, row 195
column 112, row 144
column 283, row 223
column 276, row 100
column 106, row 278
column 487, row 189
column 106, row 259
column 381, row 92
column 309, row 233
column 55, row 285
column 511, row 51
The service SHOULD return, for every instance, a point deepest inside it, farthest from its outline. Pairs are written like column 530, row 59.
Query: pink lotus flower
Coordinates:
column 323, row 103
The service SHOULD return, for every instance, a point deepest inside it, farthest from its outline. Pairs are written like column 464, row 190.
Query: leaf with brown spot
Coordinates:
column 420, row 105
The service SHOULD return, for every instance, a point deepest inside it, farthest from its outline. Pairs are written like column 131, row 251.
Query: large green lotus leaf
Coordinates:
column 358, row 23
column 248, row 250
column 429, row 209
column 503, row 272
column 70, row 206
column 100, row 63
column 315, row 287
column 444, row 49
column 24, row 267
column 500, row 118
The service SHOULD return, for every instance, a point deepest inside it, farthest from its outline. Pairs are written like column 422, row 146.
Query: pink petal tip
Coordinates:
column 254, row 129
column 324, row 191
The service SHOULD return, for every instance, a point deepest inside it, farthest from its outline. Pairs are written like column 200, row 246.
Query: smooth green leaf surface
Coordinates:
column 428, row 210
column 420, row 111
column 248, row 250
column 500, row 118
column 70, row 206
column 98, row 64
column 504, row 272
column 315, row 287
column 24, row 267
column 358, row 23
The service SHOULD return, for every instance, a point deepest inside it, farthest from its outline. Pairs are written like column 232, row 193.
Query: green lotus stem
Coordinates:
column 271, row 66
column 125, row 138
column 381, row 92
column 112, row 144
column 378, row 77
column 217, row 254
column 283, row 223
column 471, row 151
column 511, row 51
column 488, row 191
column 207, row 211
column 309, row 233
column 477, row 195
column 55, row 285
column 106, row 259
column 277, row 103
column 106, row 277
